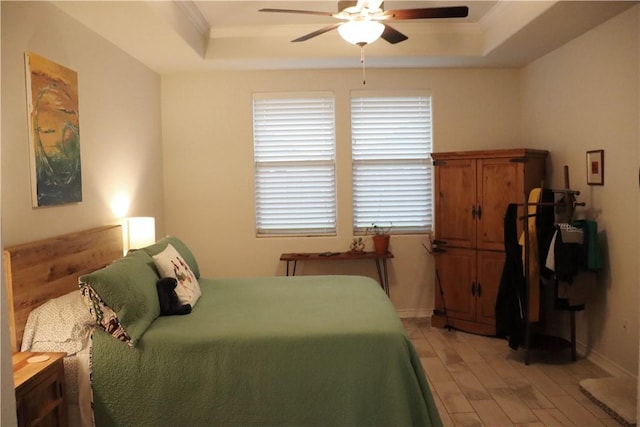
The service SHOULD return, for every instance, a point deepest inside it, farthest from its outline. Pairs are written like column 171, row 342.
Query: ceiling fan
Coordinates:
column 363, row 21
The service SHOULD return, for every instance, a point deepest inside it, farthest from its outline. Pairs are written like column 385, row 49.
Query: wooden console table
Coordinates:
column 380, row 260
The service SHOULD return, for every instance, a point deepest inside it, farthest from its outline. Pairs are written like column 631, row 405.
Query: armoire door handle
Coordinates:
column 479, row 289
column 473, row 289
column 479, row 212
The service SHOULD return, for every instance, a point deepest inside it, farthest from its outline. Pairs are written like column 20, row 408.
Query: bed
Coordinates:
column 270, row 351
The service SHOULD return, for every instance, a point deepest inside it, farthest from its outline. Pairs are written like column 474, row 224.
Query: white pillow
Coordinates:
column 170, row 264
column 60, row 324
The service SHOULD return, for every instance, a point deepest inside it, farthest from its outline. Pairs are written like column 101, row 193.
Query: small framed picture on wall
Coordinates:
column 595, row 167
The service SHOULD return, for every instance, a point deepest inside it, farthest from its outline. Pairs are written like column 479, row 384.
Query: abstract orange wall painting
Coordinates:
column 54, row 132
column 595, row 167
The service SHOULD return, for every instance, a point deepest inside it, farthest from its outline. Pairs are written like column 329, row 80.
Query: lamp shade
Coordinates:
column 361, row 32
column 138, row 232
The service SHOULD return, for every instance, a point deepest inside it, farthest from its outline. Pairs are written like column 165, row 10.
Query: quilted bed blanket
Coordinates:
column 277, row 351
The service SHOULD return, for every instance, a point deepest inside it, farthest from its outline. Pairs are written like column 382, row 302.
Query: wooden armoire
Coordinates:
column 472, row 191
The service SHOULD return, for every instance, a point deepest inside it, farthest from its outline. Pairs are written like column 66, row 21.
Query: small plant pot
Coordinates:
column 381, row 243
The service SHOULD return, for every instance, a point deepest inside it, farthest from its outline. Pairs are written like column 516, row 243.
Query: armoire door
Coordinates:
column 456, row 270
column 489, row 266
column 499, row 183
column 456, row 202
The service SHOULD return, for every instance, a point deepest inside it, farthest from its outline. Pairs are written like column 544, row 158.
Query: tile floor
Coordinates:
column 480, row 381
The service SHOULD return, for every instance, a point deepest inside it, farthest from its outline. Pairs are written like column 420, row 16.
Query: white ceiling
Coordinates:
column 170, row 36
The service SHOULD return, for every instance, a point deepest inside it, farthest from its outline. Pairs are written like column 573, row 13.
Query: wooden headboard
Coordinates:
column 39, row 271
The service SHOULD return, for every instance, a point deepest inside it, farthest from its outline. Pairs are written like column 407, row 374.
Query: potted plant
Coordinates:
column 380, row 236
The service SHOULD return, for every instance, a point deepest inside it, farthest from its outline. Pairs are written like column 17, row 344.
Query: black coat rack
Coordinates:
column 569, row 204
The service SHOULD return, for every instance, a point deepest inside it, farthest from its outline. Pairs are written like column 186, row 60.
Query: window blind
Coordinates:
column 392, row 172
column 295, row 167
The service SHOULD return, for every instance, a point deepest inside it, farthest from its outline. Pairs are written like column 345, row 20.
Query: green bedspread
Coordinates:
column 279, row 351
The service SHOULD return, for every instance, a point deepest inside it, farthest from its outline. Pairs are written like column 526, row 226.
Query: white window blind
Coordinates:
column 391, row 155
column 295, row 167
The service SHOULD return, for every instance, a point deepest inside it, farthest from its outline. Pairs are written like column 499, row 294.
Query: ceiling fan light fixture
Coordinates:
column 361, row 32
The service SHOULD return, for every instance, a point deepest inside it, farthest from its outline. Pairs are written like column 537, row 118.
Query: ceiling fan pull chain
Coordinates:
column 364, row 81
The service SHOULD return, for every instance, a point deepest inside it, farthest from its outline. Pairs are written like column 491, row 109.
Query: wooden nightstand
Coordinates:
column 40, row 394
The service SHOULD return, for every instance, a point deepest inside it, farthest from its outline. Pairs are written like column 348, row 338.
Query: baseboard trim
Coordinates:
column 408, row 313
column 603, row 362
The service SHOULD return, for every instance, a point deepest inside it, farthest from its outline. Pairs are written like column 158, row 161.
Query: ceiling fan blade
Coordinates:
column 392, row 35
column 428, row 13
column 317, row 32
column 305, row 12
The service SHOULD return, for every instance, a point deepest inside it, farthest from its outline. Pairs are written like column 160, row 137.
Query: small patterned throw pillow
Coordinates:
column 104, row 316
column 170, row 264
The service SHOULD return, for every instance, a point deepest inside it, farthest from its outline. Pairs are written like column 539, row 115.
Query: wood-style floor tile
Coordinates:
column 423, row 348
column 435, row 369
column 467, row 419
column 503, row 368
column 468, row 353
column 515, row 409
column 490, row 413
column 536, row 424
column 573, row 390
column 552, row 417
column 479, row 381
column 538, row 379
column 444, row 415
column 449, row 356
column 452, row 397
column 470, row 386
column 528, row 393
column 486, row 375
column 577, row 413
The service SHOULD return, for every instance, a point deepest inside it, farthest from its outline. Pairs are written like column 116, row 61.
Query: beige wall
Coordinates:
column 208, row 163
column 119, row 125
column 8, row 402
column 120, row 134
column 584, row 96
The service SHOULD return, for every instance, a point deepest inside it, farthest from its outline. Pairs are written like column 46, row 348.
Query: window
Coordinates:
column 295, row 166
column 392, row 172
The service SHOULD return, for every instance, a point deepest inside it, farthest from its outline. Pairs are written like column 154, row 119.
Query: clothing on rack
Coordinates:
column 532, row 252
column 510, row 300
column 522, row 276
column 590, row 255
column 570, row 295
column 565, row 207
column 573, row 256
column 557, row 253
column 545, row 226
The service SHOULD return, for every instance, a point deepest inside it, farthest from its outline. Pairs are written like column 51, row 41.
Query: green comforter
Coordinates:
column 279, row 351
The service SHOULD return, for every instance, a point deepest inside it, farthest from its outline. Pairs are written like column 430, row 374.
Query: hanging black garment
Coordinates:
column 510, row 300
column 545, row 226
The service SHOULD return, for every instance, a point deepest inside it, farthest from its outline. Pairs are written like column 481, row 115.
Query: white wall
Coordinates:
column 120, row 133
column 208, row 163
column 584, row 96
